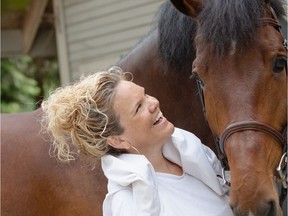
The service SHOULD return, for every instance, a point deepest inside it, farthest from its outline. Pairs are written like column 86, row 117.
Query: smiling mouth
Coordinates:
column 158, row 118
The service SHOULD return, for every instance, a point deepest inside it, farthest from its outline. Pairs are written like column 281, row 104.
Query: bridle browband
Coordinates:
column 245, row 125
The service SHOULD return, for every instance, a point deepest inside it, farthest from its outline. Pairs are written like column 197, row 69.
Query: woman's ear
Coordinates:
column 117, row 142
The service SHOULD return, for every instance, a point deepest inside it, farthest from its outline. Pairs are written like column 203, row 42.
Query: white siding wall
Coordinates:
column 98, row 32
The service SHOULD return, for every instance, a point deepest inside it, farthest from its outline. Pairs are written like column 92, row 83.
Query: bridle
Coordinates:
column 245, row 125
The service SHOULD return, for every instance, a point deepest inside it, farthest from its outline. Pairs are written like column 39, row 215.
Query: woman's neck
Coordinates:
column 163, row 165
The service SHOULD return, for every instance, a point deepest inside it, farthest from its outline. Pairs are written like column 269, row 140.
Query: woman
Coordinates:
column 152, row 167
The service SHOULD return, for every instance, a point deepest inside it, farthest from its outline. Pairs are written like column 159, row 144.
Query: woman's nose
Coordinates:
column 153, row 103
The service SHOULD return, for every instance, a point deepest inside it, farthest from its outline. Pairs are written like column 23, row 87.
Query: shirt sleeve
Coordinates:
column 120, row 203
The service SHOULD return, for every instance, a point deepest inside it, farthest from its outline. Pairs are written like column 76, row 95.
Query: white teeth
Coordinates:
column 158, row 117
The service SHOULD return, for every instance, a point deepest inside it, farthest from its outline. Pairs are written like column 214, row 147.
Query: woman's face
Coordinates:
column 144, row 125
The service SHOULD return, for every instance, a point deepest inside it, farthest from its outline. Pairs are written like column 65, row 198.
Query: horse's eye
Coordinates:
column 199, row 81
column 279, row 64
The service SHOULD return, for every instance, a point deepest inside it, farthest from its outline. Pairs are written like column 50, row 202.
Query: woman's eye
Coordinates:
column 143, row 101
column 138, row 107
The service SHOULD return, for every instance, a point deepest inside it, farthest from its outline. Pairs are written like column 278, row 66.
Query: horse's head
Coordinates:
column 241, row 68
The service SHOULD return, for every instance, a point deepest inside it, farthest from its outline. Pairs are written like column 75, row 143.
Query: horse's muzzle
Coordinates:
column 268, row 208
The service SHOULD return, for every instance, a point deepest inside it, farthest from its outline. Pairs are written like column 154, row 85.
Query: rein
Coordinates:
column 245, row 125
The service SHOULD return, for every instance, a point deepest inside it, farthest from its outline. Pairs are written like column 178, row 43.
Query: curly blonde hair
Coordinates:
column 82, row 114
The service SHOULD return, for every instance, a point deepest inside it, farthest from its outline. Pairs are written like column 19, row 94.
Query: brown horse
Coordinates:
column 33, row 183
column 241, row 65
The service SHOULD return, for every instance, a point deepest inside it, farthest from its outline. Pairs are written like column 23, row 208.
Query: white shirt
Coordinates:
column 186, row 195
column 135, row 189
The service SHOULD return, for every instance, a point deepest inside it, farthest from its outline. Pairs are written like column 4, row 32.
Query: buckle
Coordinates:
column 282, row 171
column 225, row 175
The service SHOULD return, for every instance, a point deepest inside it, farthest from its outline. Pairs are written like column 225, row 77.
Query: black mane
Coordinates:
column 176, row 32
column 221, row 21
column 224, row 20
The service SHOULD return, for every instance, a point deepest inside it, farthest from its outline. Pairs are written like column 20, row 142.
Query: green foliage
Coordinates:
column 15, row 5
column 50, row 76
column 25, row 81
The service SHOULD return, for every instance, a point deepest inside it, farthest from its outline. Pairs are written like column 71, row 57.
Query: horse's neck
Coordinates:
column 144, row 56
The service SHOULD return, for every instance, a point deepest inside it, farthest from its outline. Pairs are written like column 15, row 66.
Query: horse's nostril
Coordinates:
column 269, row 209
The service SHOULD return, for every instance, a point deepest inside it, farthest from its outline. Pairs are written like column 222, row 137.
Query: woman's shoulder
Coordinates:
column 182, row 140
column 184, row 134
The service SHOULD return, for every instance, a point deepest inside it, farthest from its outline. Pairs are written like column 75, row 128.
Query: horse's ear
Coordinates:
column 188, row 7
